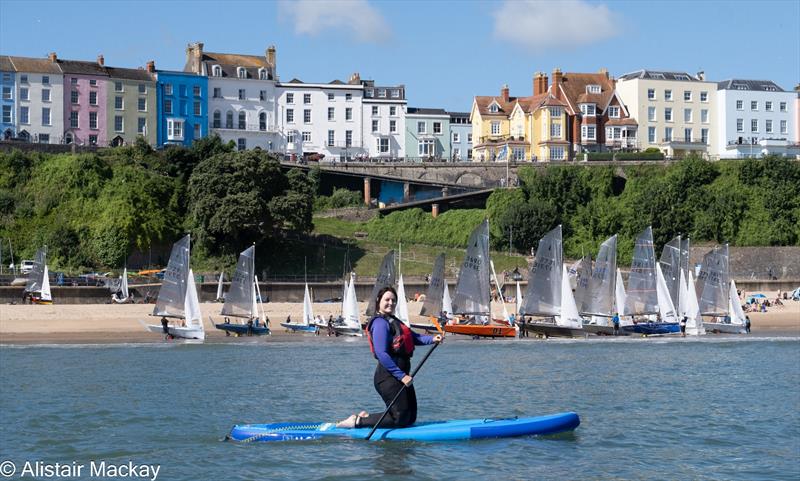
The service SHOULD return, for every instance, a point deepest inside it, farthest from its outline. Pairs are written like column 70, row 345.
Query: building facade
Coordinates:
column 40, row 104
column 384, row 120
column 242, row 105
column 8, row 106
column 460, row 136
column 675, row 111
column 131, row 110
column 182, row 105
column 427, row 134
column 322, row 119
column 491, row 125
column 756, row 117
column 85, row 99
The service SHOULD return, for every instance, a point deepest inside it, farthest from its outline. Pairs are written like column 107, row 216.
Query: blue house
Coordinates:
column 182, row 107
column 427, row 132
column 460, row 136
column 8, row 84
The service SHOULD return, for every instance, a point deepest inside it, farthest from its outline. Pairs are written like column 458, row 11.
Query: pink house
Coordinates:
column 85, row 102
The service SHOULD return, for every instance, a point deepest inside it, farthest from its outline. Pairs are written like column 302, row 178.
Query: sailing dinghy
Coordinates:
column 122, row 296
column 307, row 323
column 718, row 298
column 437, row 305
column 177, row 303
column 599, row 302
column 37, row 289
column 350, row 322
column 241, row 300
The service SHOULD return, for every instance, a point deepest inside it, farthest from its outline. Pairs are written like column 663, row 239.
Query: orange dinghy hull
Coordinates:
column 482, row 331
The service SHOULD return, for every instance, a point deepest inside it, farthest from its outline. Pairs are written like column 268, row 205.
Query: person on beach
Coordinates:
column 683, row 326
column 392, row 344
column 615, row 322
column 747, row 324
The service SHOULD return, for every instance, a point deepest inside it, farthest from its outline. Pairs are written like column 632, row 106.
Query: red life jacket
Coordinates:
column 402, row 344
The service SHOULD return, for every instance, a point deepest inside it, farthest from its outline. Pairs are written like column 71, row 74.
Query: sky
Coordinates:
column 444, row 52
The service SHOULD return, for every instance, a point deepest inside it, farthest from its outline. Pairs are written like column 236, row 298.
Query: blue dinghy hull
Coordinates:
column 456, row 430
column 242, row 330
column 653, row 328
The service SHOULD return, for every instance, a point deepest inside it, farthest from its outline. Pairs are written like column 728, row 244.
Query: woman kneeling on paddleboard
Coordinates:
column 392, row 343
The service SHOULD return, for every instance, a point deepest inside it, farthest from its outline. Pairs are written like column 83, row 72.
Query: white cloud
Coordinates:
column 540, row 24
column 313, row 17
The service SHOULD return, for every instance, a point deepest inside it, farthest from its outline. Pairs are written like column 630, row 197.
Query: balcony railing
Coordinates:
column 685, row 140
column 487, row 139
column 248, row 127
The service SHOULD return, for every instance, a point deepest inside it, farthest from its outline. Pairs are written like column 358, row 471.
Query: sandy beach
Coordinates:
column 113, row 323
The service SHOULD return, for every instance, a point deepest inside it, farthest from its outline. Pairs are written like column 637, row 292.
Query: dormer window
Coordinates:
column 494, row 108
column 592, row 89
column 613, row 112
column 262, row 74
column 216, row 71
column 740, row 86
column 681, row 77
column 241, row 72
column 770, row 88
column 657, row 76
column 588, row 109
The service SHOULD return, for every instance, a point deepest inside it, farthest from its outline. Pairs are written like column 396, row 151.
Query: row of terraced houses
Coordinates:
column 241, row 99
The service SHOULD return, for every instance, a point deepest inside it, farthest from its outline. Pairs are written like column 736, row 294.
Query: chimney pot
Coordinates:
column 151, row 66
column 53, row 57
column 504, row 93
column 101, row 60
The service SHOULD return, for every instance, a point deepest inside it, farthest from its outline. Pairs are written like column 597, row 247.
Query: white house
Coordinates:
column 321, row 118
column 242, row 92
column 40, row 99
column 384, row 112
column 756, row 117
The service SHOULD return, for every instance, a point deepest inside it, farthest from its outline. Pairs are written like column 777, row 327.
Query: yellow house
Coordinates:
column 491, row 126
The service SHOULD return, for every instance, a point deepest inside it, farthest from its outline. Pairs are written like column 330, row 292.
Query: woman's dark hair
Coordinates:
column 380, row 296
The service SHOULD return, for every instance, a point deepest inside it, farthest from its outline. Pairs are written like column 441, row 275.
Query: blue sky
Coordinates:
column 445, row 52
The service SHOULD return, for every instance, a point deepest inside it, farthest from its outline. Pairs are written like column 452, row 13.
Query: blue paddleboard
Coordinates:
column 430, row 431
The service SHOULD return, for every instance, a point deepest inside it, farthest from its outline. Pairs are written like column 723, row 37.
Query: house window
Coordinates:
column 167, row 89
column 557, row 153
column 469, row 137
column 330, row 97
column 651, row 94
column 24, row 115
column 348, row 113
column 92, row 139
column 142, row 107
column 44, row 138
column 46, row 80
column 6, row 114
column 668, row 114
column 374, row 110
column 555, row 111
column 93, row 120
column 228, row 119
column 45, row 95
column 455, row 137
column 613, row 112
column 241, row 73
column 437, row 128
column 783, row 126
column 493, row 108
column 262, row 95
column 174, row 129
column 24, row 93
column 141, row 127
column 306, row 136
column 290, row 116
column 348, row 138
column 290, row 138
column 142, row 89
column 217, row 93
column 395, row 93
column 118, row 87
column 754, row 125
column 374, row 126
column 704, row 116
column 167, row 106
column 306, row 98
column 555, row 130
column 289, row 98
column 118, row 124
column 754, row 105
column 704, row 136
column 262, row 121
column 216, row 71
column 469, row 154
column 782, row 106
column 392, row 111
column 92, row 98
column 118, row 104
column 392, row 126
column 7, row 93
column 588, row 109
column 687, row 135
column 331, row 138
column 704, row 96
column 241, row 144
column 651, row 114
column 196, row 91
column 495, row 128
column 519, row 153
column 46, row 116
column 668, row 134
column 687, row 95
column 242, row 94
column 307, row 116
column 23, row 79
column 668, row 95
column 348, row 97
column 422, row 128
column 262, row 74
column 740, row 125
column 331, row 113
column 687, row 115
column 197, row 131
column 768, row 126
column 197, row 109
column 217, row 122
column 242, row 120
column 383, row 145
column 740, row 105
column 73, row 97
column 425, row 148
column 73, row 120
column 768, row 106
column 588, row 132
column 593, row 89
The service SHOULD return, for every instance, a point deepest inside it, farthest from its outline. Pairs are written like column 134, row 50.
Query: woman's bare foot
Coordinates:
column 350, row 422
column 363, row 414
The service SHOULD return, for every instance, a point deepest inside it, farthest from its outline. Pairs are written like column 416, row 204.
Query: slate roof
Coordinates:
column 660, row 75
column 5, row 64
column 80, row 67
column 140, row 75
column 573, row 85
column 230, row 62
column 425, row 111
column 36, row 65
column 759, row 85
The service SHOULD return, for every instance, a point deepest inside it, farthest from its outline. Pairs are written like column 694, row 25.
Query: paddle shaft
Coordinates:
column 397, row 396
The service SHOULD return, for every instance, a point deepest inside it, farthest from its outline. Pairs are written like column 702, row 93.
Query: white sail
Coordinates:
column 350, row 313
column 45, row 294
column 219, row 285
column 260, row 301
column 401, row 311
column 500, row 292
column 694, row 323
column 447, row 302
column 735, row 308
column 254, row 295
column 308, row 311
column 191, row 305
column 665, row 306
column 472, row 294
column 683, row 297
column 569, row 317
column 543, row 295
column 434, row 295
column 519, row 298
column 620, row 300
column 124, row 284
column 171, row 295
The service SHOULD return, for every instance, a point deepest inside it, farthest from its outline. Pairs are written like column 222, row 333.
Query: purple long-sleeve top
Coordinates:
column 382, row 340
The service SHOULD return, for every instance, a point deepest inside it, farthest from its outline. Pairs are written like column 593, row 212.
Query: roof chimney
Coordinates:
column 536, row 78
column 271, row 59
column 701, row 75
column 504, row 93
column 604, row 71
column 100, row 60
column 53, row 57
column 557, row 78
column 355, row 79
column 151, row 66
column 194, row 54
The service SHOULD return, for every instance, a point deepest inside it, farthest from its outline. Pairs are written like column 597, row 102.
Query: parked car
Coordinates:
column 26, row 266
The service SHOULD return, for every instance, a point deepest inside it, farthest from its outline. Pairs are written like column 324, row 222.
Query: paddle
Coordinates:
column 397, row 396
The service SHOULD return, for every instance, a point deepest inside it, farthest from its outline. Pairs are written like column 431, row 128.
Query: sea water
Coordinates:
column 712, row 408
